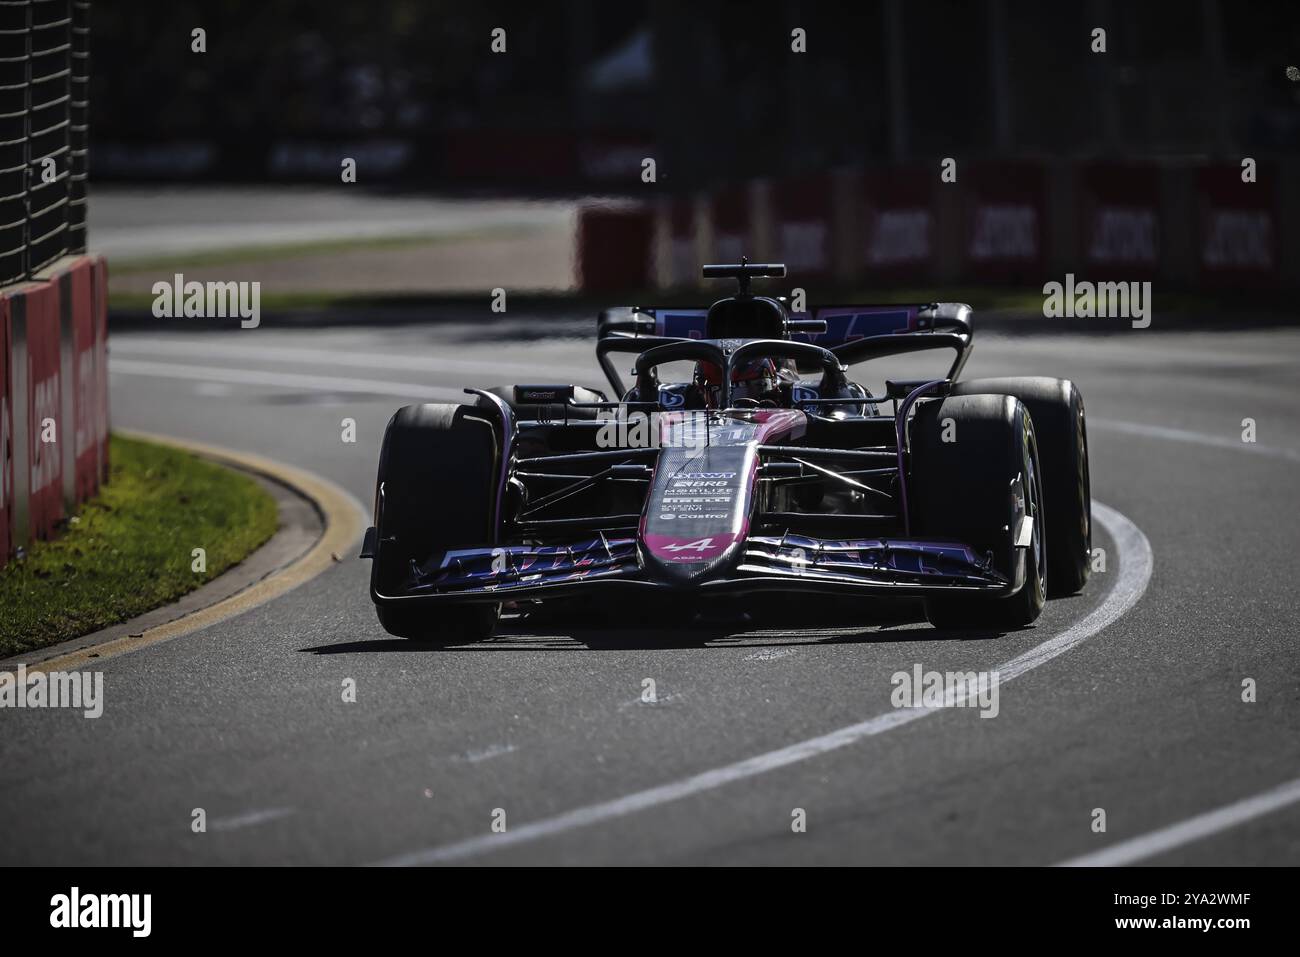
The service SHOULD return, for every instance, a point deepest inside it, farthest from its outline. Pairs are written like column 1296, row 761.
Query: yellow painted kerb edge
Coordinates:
column 343, row 519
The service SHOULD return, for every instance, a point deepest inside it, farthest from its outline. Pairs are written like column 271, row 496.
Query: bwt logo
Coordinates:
column 1122, row 235
column 1005, row 232
column 900, row 236
column 1238, row 239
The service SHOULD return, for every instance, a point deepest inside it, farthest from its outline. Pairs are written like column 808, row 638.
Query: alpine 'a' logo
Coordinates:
column 700, row 545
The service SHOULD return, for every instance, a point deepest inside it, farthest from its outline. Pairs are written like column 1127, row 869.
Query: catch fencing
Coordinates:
column 44, row 81
column 53, row 297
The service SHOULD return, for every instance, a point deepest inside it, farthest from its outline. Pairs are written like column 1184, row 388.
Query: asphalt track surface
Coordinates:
column 1126, row 698
column 143, row 222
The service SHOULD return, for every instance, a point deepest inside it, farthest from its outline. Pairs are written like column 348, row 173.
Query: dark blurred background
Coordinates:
column 712, row 90
column 526, row 168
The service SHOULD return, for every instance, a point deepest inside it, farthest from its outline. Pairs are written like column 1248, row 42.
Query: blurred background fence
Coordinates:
column 578, row 92
column 44, row 82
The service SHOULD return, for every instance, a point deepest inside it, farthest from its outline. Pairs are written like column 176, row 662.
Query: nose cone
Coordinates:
column 697, row 512
column 681, row 560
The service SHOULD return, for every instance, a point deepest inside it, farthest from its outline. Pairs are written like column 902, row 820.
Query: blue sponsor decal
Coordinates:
column 859, row 322
column 680, row 324
column 843, row 323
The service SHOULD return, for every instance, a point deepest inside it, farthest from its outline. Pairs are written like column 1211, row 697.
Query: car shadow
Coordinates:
column 903, row 622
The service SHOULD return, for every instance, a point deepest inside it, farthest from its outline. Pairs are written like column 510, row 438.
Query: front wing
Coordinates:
column 893, row 567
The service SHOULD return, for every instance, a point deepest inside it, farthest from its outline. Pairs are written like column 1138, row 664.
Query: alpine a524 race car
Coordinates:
column 766, row 469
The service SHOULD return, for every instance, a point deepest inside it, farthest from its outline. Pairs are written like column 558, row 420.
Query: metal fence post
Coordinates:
column 48, row 130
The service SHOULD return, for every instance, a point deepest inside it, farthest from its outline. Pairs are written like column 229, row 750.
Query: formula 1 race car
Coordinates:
column 765, row 469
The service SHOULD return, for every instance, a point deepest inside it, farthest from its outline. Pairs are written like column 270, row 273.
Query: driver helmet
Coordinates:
column 754, row 380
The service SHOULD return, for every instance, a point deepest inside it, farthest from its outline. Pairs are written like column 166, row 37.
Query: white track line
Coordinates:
column 1193, row 829
column 1211, row 822
column 285, row 380
column 1127, row 586
column 1196, row 438
column 249, row 819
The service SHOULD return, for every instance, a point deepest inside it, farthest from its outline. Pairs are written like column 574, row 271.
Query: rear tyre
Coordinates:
column 1056, row 407
column 436, row 489
column 967, row 489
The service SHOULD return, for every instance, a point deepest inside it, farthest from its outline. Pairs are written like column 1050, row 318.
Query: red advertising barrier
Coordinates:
column 899, row 235
column 53, row 399
column 731, row 226
column 99, row 305
column 1119, row 219
column 614, row 248
column 802, row 209
column 45, row 426
column 6, row 437
column 682, row 266
column 1005, row 221
column 1238, row 224
column 77, row 302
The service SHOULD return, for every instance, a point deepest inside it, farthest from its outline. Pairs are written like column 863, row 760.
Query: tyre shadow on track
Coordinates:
column 567, row 632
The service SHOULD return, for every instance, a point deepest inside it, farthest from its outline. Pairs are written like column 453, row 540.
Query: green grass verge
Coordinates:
column 128, row 550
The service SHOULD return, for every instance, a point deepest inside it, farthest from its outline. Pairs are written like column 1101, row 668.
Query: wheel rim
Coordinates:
column 1087, row 483
column 1033, row 495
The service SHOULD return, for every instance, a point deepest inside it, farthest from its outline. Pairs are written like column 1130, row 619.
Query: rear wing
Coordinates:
column 855, row 333
column 860, row 333
column 843, row 324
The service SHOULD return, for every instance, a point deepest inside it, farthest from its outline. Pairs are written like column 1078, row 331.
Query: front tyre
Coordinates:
column 1056, row 407
column 439, row 476
column 975, row 475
